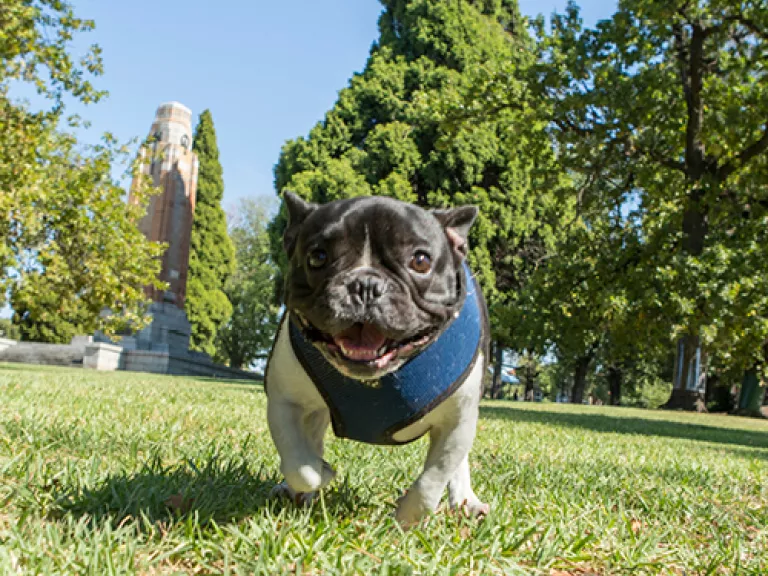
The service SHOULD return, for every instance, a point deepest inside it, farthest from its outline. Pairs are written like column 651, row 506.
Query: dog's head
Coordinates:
column 372, row 280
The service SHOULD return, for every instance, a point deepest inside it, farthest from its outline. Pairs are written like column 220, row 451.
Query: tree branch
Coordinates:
column 567, row 125
column 756, row 148
column 749, row 24
column 694, row 147
column 663, row 160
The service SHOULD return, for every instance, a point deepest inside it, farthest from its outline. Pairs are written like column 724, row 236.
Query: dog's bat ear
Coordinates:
column 298, row 210
column 457, row 222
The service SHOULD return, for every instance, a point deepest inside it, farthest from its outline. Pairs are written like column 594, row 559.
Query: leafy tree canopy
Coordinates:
column 70, row 246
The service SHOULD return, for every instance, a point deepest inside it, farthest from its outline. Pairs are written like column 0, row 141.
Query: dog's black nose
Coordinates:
column 366, row 289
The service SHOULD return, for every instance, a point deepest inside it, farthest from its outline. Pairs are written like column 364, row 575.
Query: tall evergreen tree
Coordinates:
column 212, row 254
column 391, row 133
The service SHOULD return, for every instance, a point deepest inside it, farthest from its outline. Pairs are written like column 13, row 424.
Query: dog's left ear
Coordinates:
column 457, row 223
column 298, row 210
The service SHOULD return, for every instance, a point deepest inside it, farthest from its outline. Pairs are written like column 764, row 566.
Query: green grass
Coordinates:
column 88, row 462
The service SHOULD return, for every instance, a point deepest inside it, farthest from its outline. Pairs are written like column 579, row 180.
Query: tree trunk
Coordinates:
column 718, row 396
column 690, row 373
column 710, row 389
column 614, row 385
column 235, row 360
column 751, row 396
column 689, row 382
column 497, row 366
column 580, row 379
column 529, row 380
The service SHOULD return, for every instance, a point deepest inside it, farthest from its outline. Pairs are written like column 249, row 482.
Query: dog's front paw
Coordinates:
column 411, row 509
column 283, row 490
column 308, row 477
column 472, row 508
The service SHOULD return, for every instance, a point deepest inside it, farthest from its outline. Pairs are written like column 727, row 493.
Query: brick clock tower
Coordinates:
column 172, row 166
column 163, row 346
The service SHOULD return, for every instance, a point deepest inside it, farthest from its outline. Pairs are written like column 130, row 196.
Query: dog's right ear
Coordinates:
column 298, row 210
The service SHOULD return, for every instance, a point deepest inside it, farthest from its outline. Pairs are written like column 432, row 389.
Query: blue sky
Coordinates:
column 268, row 71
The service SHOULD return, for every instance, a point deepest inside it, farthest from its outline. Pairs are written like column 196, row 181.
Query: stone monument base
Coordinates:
column 83, row 352
column 160, row 362
column 160, row 348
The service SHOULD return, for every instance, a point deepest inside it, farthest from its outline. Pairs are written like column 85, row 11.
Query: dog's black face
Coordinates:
column 373, row 280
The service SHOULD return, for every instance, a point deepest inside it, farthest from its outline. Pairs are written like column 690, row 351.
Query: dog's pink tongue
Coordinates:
column 360, row 341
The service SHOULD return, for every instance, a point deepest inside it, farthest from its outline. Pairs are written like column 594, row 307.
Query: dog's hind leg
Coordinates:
column 300, row 445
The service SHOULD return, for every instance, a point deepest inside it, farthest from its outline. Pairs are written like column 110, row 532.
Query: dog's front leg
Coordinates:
column 298, row 435
column 460, row 493
column 448, row 449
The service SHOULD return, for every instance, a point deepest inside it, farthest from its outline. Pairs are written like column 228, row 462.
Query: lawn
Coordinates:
column 105, row 473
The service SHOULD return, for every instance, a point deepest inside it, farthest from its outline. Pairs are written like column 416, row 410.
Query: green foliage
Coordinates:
column 75, row 245
column 35, row 46
column 9, row 330
column 672, row 98
column 249, row 332
column 70, row 246
column 395, row 131
column 658, row 114
column 212, row 255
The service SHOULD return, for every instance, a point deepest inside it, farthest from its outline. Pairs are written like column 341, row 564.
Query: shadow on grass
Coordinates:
column 224, row 491
column 220, row 491
column 634, row 425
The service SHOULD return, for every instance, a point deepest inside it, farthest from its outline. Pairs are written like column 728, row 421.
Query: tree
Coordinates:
column 679, row 89
column 211, row 254
column 396, row 131
column 70, row 245
column 9, row 330
column 249, row 332
column 671, row 97
column 34, row 48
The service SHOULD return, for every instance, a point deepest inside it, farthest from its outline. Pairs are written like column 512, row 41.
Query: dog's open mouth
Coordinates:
column 365, row 344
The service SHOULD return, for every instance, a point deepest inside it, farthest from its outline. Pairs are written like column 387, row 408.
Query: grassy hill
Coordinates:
column 106, row 473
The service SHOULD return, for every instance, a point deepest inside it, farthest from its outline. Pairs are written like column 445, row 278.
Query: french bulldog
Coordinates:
column 385, row 335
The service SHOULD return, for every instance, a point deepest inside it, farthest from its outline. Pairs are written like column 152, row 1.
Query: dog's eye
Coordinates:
column 317, row 258
column 421, row 262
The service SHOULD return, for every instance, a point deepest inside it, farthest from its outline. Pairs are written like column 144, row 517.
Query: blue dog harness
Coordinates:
column 373, row 411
